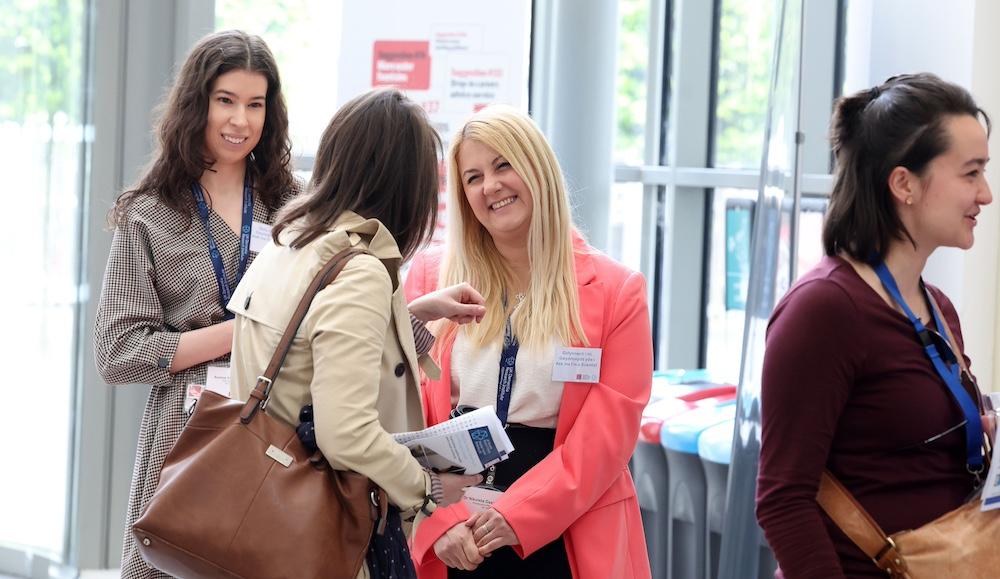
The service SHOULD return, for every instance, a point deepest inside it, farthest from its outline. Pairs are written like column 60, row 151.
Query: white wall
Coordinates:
column 980, row 314
column 956, row 41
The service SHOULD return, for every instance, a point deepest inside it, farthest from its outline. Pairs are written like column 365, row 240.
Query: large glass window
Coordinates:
column 714, row 76
column 745, row 36
column 729, row 269
column 630, row 100
column 42, row 80
column 625, row 233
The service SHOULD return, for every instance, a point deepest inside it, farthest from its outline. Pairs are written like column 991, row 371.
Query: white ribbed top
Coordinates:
column 535, row 398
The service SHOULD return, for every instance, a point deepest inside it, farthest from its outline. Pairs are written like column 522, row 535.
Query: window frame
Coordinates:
column 669, row 175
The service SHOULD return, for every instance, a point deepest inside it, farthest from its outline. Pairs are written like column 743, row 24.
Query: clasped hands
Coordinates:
column 467, row 544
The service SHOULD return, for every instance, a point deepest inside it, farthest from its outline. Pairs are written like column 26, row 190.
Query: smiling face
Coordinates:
column 953, row 189
column 236, row 110
column 497, row 195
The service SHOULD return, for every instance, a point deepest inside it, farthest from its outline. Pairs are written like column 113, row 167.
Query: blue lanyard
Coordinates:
column 508, row 356
column 225, row 290
column 951, row 376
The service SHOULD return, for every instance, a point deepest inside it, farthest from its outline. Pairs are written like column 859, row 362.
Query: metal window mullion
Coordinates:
column 657, row 90
column 819, row 75
column 683, row 207
column 812, row 183
column 92, row 523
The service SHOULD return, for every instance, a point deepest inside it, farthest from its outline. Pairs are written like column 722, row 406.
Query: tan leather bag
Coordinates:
column 963, row 543
column 239, row 496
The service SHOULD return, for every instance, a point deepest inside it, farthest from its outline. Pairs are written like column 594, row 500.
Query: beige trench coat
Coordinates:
column 353, row 357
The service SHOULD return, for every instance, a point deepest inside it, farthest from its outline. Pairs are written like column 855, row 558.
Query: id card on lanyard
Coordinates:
column 508, row 357
column 487, row 494
column 246, row 226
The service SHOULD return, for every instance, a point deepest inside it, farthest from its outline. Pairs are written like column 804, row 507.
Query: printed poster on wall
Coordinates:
column 451, row 56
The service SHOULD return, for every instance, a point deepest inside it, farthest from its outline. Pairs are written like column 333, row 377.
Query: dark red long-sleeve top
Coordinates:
column 846, row 386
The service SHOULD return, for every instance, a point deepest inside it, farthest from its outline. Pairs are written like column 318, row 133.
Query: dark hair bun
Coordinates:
column 846, row 124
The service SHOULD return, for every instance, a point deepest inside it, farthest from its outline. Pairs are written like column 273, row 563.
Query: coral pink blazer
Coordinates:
column 582, row 491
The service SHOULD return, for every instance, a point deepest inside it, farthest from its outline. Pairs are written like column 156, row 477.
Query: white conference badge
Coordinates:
column 478, row 499
column 217, row 379
column 576, row 365
column 191, row 395
column 991, row 489
column 260, row 235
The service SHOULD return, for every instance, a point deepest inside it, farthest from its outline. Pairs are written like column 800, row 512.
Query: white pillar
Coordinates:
column 573, row 100
column 979, row 312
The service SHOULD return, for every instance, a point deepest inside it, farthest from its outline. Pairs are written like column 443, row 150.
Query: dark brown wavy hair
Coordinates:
column 899, row 123
column 378, row 158
column 180, row 156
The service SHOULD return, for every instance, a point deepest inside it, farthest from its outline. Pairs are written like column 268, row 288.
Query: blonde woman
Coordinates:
column 552, row 303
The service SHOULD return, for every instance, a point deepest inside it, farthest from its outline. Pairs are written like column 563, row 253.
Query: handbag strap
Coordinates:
column 859, row 526
column 951, row 338
column 262, row 390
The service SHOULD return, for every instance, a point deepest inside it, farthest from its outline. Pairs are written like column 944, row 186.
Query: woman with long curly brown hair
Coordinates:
column 184, row 235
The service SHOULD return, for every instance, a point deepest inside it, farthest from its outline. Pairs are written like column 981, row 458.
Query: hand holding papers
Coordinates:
column 467, row 444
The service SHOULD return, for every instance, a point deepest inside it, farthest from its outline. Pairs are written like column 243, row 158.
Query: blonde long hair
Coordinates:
column 551, row 307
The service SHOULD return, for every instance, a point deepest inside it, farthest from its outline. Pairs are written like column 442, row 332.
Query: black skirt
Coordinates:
column 531, row 445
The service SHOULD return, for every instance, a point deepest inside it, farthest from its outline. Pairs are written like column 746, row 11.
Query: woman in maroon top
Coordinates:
column 847, row 385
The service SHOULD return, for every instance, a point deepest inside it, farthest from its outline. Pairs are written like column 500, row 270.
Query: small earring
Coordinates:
column 909, row 200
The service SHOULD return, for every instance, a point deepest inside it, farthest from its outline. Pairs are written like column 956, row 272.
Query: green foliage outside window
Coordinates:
column 633, row 43
column 746, row 36
column 40, row 59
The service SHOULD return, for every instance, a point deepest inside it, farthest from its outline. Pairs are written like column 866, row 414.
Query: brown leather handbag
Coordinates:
column 239, row 496
column 962, row 543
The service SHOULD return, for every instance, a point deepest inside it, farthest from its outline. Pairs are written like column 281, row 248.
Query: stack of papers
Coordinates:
column 467, row 444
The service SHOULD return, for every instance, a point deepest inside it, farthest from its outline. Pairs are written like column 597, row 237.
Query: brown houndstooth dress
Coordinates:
column 159, row 282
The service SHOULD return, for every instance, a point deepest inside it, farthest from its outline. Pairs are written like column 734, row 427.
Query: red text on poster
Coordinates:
column 402, row 63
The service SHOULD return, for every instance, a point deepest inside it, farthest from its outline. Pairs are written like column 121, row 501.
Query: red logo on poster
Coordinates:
column 404, row 64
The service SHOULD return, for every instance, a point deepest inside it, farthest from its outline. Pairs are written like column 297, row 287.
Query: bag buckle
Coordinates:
column 380, row 512
column 889, row 559
column 977, row 474
column 267, row 390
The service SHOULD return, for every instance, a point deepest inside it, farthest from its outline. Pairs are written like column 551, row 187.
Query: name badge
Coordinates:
column 577, row 365
column 191, row 395
column 260, row 235
column 217, row 379
column 478, row 499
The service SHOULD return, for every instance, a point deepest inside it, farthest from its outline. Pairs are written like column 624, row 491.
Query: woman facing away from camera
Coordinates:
column 183, row 238
column 563, row 504
column 847, row 385
column 355, row 357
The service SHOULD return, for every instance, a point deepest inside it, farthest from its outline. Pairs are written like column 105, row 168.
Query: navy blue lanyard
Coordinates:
column 508, row 356
column 951, row 376
column 225, row 290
